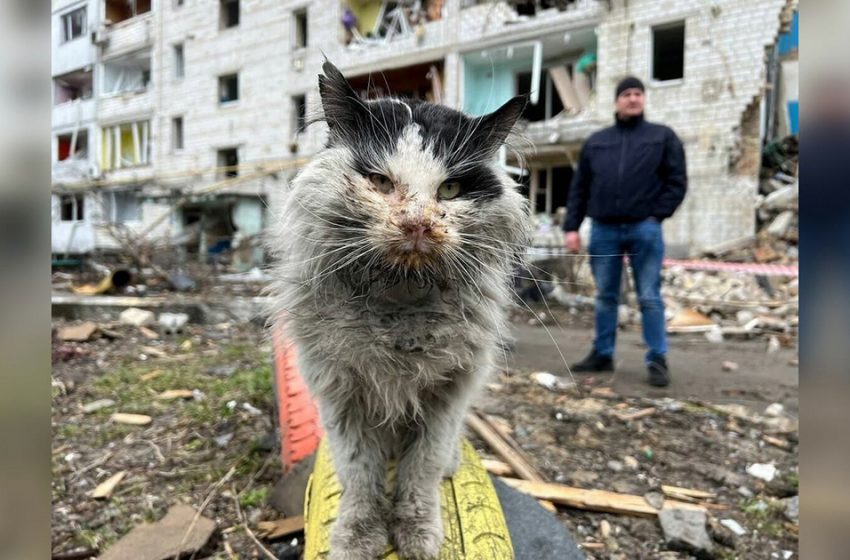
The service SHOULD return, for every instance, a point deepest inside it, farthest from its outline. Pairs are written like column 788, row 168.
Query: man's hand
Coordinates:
column 572, row 241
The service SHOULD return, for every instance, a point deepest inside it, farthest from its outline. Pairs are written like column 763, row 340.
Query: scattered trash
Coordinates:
column 136, row 317
column 105, row 489
column 764, row 471
column 222, row 440
column 181, row 282
column 775, row 409
column 181, row 532
column 133, row 419
column 97, row 405
column 77, row 333
column 773, row 345
column 714, row 335
column 733, row 526
column 173, row 394
column 552, row 382
column 172, row 323
column 148, row 333
column 251, row 409
column 615, row 466
column 729, row 366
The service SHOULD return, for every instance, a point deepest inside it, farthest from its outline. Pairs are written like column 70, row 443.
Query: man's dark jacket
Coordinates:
column 627, row 173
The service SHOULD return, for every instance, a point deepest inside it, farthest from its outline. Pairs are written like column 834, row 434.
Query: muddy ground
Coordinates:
column 216, row 449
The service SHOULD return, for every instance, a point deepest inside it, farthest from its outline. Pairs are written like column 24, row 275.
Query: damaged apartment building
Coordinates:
column 176, row 123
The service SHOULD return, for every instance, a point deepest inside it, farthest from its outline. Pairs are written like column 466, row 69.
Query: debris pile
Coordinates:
column 730, row 304
column 777, row 211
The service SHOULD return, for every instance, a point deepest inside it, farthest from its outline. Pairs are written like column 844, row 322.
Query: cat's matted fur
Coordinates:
column 396, row 244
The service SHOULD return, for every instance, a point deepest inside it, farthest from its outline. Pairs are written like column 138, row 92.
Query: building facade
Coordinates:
column 175, row 122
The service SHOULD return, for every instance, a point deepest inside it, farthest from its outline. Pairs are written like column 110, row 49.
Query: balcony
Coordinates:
column 128, row 35
column 73, row 113
column 126, row 88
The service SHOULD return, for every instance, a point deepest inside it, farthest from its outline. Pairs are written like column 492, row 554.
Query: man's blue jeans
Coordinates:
column 644, row 244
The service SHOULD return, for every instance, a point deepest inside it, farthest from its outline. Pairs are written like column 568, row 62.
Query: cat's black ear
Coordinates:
column 492, row 129
column 342, row 106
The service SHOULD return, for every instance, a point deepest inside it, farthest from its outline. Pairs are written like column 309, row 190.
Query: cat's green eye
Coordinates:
column 448, row 190
column 382, row 183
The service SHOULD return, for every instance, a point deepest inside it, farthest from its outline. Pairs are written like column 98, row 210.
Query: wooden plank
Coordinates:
column 635, row 415
column 516, row 459
column 689, row 492
column 566, row 90
column 593, row 500
column 105, row 488
column 280, row 527
column 497, row 468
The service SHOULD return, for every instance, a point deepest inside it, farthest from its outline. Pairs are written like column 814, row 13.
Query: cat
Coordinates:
column 394, row 249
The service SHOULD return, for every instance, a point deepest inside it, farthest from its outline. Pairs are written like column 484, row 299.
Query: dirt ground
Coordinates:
column 216, row 450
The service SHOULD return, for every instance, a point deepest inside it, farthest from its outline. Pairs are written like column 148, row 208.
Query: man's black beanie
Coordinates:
column 628, row 83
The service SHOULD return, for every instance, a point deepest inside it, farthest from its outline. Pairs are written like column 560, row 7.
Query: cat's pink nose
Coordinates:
column 416, row 232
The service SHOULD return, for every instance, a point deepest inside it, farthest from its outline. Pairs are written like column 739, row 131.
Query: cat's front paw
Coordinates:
column 358, row 536
column 417, row 534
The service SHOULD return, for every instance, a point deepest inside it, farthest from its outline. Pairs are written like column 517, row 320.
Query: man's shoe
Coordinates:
column 659, row 375
column 593, row 363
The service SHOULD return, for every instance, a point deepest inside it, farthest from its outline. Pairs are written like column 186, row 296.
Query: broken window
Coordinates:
column 73, row 145
column 228, row 88
column 228, row 13
column 228, row 163
column 125, row 145
column 668, row 52
column 547, row 188
column 179, row 64
column 122, row 206
column 129, row 73
column 71, row 207
column 177, row 133
column 71, row 86
column 548, row 101
column 120, row 10
column 299, row 32
column 73, row 24
column 299, row 113
column 418, row 81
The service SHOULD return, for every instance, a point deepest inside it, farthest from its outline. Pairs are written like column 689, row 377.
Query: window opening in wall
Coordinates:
column 121, row 10
column 179, row 63
column 178, row 3
column 177, row 133
column 668, row 52
column 71, row 207
column 130, row 73
column 299, row 113
column 547, row 188
column 227, row 162
column 548, row 102
column 71, row 86
column 125, row 145
column 74, row 24
column 228, row 88
column 123, row 207
column 73, row 145
column 228, row 13
column 299, row 34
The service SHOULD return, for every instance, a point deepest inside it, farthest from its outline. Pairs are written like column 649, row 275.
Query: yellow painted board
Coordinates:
column 473, row 521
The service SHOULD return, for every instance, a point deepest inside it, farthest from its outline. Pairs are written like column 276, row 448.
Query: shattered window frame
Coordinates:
column 76, row 17
column 72, row 207
column 221, row 160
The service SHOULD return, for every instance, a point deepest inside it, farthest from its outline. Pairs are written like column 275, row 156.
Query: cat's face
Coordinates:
column 415, row 184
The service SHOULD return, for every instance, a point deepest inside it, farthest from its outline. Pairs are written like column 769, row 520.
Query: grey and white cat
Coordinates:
column 396, row 245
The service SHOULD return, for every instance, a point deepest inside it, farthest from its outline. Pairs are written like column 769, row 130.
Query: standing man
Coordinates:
column 630, row 177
